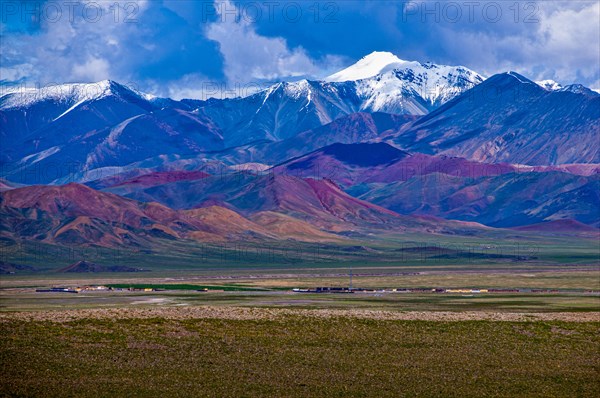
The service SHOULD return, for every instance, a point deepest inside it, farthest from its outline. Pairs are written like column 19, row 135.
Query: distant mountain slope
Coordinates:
column 454, row 188
column 351, row 164
column 561, row 227
column 581, row 203
column 505, row 200
column 353, row 128
column 158, row 178
column 86, row 266
column 114, row 129
column 308, row 199
column 509, row 118
column 7, row 185
column 75, row 214
column 279, row 208
column 317, row 201
column 344, row 163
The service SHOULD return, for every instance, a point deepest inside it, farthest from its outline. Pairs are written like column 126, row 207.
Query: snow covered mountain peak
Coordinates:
column 383, row 80
column 376, row 63
column 72, row 93
column 298, row 88
column 579, row 89
column 77, row 92
column 433, row 84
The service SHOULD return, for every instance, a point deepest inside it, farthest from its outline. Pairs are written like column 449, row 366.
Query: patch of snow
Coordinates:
column 297, row 89
column 578, row 89
column 36, row 157
column 146, row 96
column 549, row 85
column 267, row 93
column 69, row 110
column 516, row 76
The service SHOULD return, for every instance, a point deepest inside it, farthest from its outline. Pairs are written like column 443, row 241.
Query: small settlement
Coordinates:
column 79, row 289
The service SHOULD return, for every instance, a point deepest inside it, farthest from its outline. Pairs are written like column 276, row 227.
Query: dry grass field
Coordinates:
column 229, row 352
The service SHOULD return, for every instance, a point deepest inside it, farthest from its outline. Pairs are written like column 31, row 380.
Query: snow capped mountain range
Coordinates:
column 283, row 110
column 380, row 81
column 105, row 125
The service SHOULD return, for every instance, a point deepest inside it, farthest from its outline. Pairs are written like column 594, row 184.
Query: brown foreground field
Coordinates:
column 232, row 352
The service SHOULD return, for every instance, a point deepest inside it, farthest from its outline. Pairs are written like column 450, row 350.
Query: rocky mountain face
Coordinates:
column 500, row 195
column 509, row 118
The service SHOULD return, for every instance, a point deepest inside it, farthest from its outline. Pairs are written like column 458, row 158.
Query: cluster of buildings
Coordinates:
column 100, row 288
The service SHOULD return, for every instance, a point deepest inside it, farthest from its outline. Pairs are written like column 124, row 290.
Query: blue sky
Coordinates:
column 184, row 48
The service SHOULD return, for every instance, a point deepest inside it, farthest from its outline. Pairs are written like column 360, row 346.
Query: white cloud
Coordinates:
column 94, row 69
column 250, row 57
column 563, row 46
column 77, row 46
column 570, row 41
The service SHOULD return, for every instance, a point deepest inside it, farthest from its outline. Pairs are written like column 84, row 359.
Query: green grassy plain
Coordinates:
column 492, row 249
